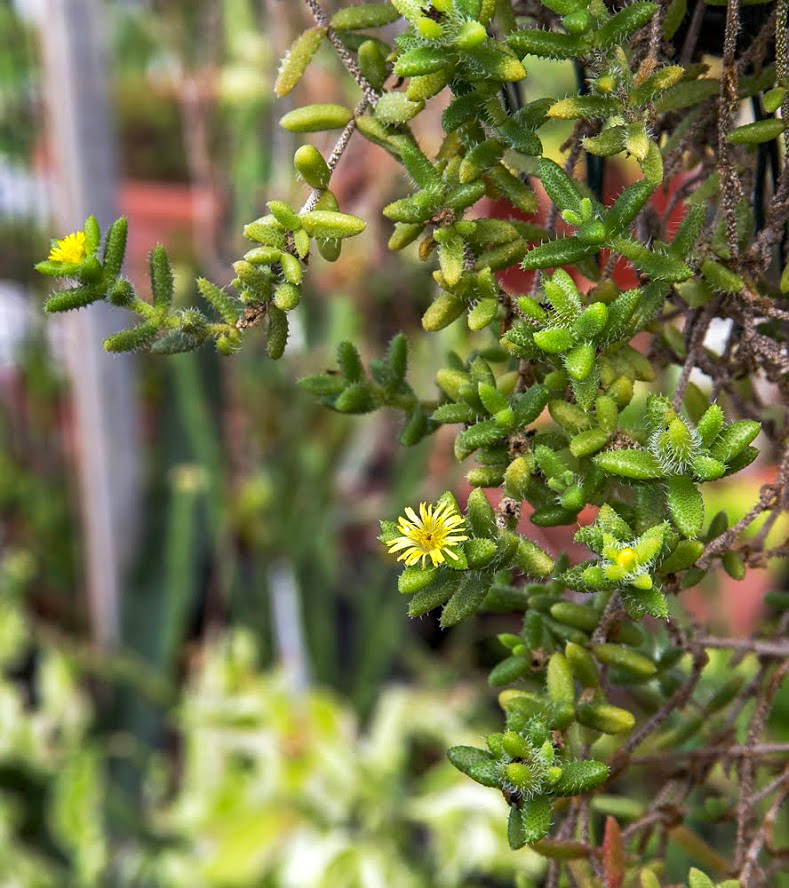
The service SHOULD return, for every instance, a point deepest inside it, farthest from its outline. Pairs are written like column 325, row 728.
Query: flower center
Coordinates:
column 626, row 558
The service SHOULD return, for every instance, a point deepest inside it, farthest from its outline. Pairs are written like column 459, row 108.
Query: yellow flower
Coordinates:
column 626, row 558
column 69, row 249
column 431, row 534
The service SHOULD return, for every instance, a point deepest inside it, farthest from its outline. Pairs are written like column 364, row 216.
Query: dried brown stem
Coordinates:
column 778, row 649
column 717, row 753
column 745, row 802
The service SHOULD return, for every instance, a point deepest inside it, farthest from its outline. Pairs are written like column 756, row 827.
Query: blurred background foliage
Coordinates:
column 201, row 752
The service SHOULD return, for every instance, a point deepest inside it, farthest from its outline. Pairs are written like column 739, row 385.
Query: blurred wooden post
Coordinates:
column 104, row 407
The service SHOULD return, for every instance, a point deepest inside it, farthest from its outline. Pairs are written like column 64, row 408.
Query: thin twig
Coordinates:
column 696, row 327
column 727, row 107
column 609, row 616
column 337, row 152
column 692, row 36
column 719, row 753
column 761, row 836
column 370, row 97
column 744, row 804
column 345, row 57
column 778, row 649
column 724, row 541
column 771, row 787
column 676, row 701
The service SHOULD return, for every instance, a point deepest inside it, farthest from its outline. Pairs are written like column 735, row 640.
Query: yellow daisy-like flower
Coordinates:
column 431, row 534
column 70, row 249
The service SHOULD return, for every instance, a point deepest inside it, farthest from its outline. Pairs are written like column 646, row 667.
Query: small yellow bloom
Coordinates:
column 626, row 558
column 70, row 249
column 431, row 534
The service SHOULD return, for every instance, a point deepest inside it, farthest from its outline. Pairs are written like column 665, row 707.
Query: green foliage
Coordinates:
column 255, row 800
column 548, row 395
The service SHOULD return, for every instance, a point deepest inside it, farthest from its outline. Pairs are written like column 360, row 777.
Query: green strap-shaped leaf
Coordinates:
column 556, row 253
column 536, row 816
column 475, row 763
column 297, row 59
column 466, row 600
column 544, row 44
column 639, row 465
column 365, row 15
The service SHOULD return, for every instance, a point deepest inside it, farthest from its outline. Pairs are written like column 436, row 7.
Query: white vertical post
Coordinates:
column 104, row 407
column 288, row 625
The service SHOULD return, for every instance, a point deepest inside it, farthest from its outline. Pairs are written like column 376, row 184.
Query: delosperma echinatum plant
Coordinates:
column 608, row 683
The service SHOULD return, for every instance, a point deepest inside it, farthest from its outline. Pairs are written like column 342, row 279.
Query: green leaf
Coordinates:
column 592, row 321
column 330, row 224
column 508, row 671
column 432, row 596
column 414, row 579
column 686, row 506
column 444, row 309
column 77, row 297
column 296, row 60
column 536, row 815
column 734, row 439
column 363, row 16
column 580, row 777
column 559, row 680
column 575, row 107
column 589, row 442
column 605, row 718
column 161, row 277
column 638, row 465
column 685, row 555
column 316, row 118
column 554, row 340
column 626, row 659
column 650, row 601
column 544, row 44
column 396, row 108
column 697, row 879
column 551, row 254
column 227, row 307
column 580, row 362
column 757, row 132
column 419, row 61
column 133, row 339
column 475, row 763
column 623, row 24
column 466, row 600
column 277, row 334
column 516, row 835
column 559, row 186
column 311, row 166
column 687, row 93
column 115, row 247
column 627, row 206
column 479, row 552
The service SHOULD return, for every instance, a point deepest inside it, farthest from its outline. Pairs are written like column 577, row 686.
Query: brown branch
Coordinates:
column 692, row 36
column 609, row 616
column 727, row 108
column 697, row 325
column 744, row 804
column 676, row 701
column 345, row 57
column 771, row 787
column 761, row 836
column 767, row 498
column 778, row 649
column 718, row 753
column 337, row 152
